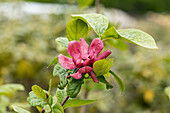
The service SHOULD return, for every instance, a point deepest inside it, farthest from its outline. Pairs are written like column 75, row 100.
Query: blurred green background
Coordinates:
column 28, row 30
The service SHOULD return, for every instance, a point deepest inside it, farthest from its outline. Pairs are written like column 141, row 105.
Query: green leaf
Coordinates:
column 74, row 87
column 134, row 36
column 167, row 91
column 76, row 29
column 83, row 3
column 98, row 22
column 61, row 95
column 59, row 70
column 63, row 41
column 103, row 80
column 119, row 44
column 19, row 110
column 9, row 89
column 54, row 61
column 62, row 73
column 119, row 81
column 111, row 33
column 50, row 100
column 138, row 37
column 102, row 67
column 57, row 108
column 77, row 102
column 39, row 92
column 34, row 100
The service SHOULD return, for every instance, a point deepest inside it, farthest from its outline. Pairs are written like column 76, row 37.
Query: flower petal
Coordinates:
column 66, row 62
column 76, row 75
column 74, row 49
column 95, row 48
column 84, row 48
column 93, row 76
column 87, row 62
column 85, row 69
column 103, row 55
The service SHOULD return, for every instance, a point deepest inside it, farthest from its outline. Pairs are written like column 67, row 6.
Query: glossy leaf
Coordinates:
column 61, row 95
column 74, row 87
column 19, row 110
column 103, row 80
column 76, row 29
column 54, row 61
column 39, row 92
column 57, row 108
column 9, row 89
column 63, row 41
column 134, row 36
column 34, row 100
column 77, row 102
column 98, row 22
column 102, row 67
column 119, row 81
column 138, row 37
column 167, row 91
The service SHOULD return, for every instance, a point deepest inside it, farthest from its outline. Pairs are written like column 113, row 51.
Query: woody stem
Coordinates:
column 65, row 100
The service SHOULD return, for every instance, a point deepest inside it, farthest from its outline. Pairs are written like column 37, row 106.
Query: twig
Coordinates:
column 84, row 108
column 97, row 6
column 65, row 100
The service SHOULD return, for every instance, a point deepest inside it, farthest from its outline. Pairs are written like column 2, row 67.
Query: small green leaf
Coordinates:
column 47, row 108
column 74, row 87
column 34, row 100
column 76, row 29
column 39, row 92
column 19, row 110
column 167, row 91
column 9, row 89
column 61, row 95
column 102, row 67
column 98, row 22
column 63, row 41
column 77, row 102
column 54, row 61
column 50, row 100
column 111, row 33
column 59, row 70
column 39, row 109
column 57, row 108
column 103, row 80
column 134, row 36
column 83, row 3
column 119, row 81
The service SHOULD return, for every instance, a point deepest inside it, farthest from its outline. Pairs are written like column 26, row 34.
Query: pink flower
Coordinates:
column 83, row 57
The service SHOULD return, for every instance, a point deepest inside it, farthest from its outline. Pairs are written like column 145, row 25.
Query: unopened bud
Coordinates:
column 43, row 110
column 46, row 95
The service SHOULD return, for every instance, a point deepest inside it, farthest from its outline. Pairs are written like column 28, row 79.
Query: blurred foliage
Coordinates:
column 28, row 45
column 131, row 6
